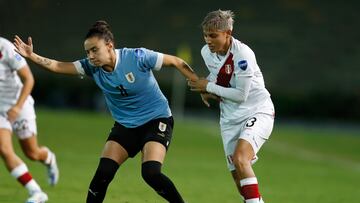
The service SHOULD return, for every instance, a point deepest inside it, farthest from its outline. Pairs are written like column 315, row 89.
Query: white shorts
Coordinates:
column 25, row 125
column 256, row 130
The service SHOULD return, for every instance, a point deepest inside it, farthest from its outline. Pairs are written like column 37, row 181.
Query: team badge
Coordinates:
column 18, row 57
column 243, row 64
column 228, row 69
column 162, row 127
column 130, row 77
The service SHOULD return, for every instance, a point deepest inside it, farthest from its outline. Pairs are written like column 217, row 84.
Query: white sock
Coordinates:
column 32, row 186
column 49, row 157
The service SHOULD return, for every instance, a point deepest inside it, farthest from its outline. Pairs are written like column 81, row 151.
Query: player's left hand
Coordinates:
column 22, row 48
column 198, row 85
column 13, row 113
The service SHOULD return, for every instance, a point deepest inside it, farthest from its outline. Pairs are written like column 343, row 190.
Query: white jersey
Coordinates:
column 10, row 83
column 237, row 79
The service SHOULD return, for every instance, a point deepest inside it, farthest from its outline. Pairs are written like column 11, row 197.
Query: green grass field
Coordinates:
column 298, row 165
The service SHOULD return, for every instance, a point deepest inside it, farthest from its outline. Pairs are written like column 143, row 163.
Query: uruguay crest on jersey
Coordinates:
column 162, row 127
column 130, row 77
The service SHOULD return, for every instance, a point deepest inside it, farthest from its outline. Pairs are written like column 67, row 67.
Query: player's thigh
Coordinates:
column 157, row 139
column 113, row 150
column 29, row 145
column 256, row 131
column 25, row 124
column 153, row 151
column 230, row 136
column 127, row 138
column 6, row 146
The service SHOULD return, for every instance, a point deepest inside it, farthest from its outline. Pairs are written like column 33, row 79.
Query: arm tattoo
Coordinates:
column 43, row 61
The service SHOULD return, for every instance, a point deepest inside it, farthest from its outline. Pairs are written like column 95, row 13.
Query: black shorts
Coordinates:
column 134, row 139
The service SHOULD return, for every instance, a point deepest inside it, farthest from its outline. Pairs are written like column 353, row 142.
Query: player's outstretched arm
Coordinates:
column 26, row 50
column 181, row 65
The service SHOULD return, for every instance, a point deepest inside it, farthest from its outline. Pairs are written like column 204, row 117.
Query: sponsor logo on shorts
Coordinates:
column 161, row 134
column 162, row 127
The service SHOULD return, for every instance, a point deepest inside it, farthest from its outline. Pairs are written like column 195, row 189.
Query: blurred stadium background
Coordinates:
column 308, row 52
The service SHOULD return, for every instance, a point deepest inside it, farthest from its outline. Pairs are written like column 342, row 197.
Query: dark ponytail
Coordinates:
column 102, row 30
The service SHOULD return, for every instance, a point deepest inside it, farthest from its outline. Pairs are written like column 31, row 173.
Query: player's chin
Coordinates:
column 212, row 49
column 96, row 63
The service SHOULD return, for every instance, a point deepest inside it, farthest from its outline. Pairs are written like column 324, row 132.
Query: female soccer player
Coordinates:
column 247, row 112
column 17, row 115
column 143, row 120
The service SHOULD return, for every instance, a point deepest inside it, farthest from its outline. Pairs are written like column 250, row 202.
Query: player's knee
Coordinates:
column 32, row 155
column 106, row 171
column 241, row 162
column 150, row 171
column 6, row 151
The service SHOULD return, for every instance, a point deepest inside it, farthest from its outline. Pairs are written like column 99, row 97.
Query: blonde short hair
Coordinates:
column 218, row 20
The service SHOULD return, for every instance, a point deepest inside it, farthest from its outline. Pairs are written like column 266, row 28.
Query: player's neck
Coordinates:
column 112, row 62
column 225, row 48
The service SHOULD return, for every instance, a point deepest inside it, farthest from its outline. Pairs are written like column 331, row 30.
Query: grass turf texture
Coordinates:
column 299, row 164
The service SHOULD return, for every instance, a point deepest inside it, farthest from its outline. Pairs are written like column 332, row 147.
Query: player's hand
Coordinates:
column 22, row 48
column 206, row 96
column 198, row 85
column 13, row 113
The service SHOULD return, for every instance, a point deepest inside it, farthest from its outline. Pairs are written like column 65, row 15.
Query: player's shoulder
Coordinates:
column 133, row 52
column 205, row 51
column 5, row 43
column 242, row 51
column 4, row 40
column 240, row 47
column 243, row 56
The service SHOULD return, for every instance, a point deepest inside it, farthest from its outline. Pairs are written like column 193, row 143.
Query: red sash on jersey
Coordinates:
column 225, row 72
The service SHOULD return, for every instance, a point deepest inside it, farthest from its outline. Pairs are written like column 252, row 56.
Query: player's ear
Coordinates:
column 229, row 32
column 111, row 45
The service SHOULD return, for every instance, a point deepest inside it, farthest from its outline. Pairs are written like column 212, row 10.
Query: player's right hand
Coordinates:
column 13, row 113
column 22, row 48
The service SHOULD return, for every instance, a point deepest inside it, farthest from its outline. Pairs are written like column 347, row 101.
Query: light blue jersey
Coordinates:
column 131, row 91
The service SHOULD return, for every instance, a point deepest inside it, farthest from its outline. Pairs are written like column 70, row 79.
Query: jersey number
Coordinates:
column 122, row 90
column 251, row 122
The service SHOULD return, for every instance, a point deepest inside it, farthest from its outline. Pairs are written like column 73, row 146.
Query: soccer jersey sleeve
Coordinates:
column 15, row 60
column 79, row 68
column 237, row 94
column 149, row 59
column 83, row 67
